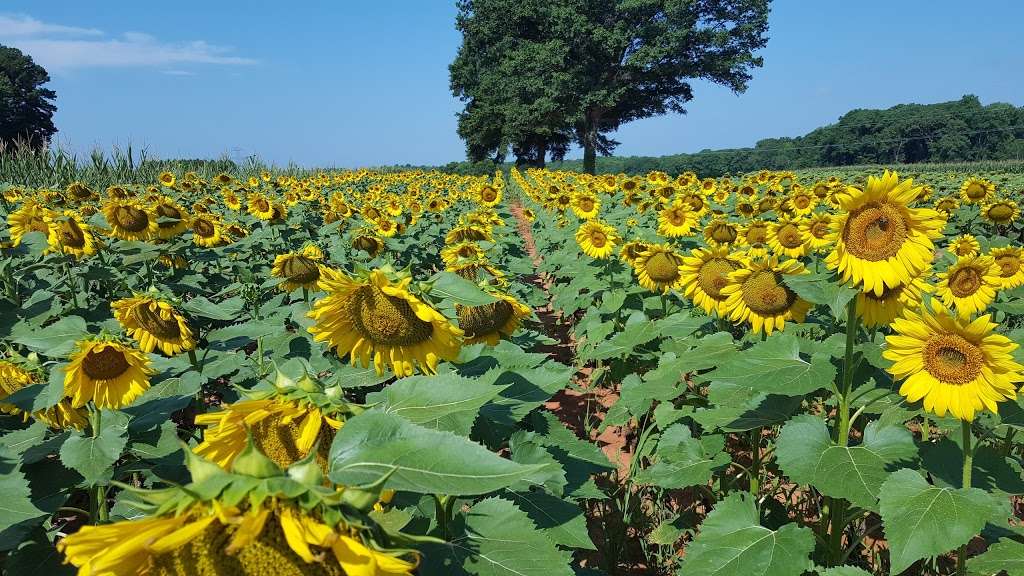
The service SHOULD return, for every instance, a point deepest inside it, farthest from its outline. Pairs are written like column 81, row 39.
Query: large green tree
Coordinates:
column 26, row 108
column 544, row 71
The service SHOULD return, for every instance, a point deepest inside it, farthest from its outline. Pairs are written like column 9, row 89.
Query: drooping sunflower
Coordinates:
column 129, row 220
column 206, row 230
column 785, row 238
column 477, row 269
column 378, row 318
column 597, row 239
column 947, row 205
column 299, row 269
column 153, row 322
column 31, row 217
column 171, row 218
column 107, row 372
column 816, row 230
column 260, row 207
column 255, row 519
column 878, row 311
column 490, row 322
column 721, row 232
column 964, row 246
column 70, row 235
column 1002, row 211
column 1008, row 261
column 676, row 220
column 61, row 416
column 231, row 199
column 758, row 294
column 455, row 252
column 704, row 273
column 631, row 251
column 658, row 268
column 977, row 190
column 471, row 232
column 970, row 285
column 879, row 240
column 951, row 364
column 368, row 243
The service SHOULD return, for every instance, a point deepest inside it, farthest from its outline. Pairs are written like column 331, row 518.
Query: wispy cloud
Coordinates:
column 178, row 72
column 59, row 47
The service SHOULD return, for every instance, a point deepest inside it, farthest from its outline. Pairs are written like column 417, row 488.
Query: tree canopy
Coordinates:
column 537, row 75
column 26, row 108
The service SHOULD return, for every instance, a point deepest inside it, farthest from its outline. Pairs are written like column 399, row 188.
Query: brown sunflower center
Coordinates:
column 586, row 204
column 105, row 364
column 765, row 205
column 366, row 244
column 148, row 316
column 821, row 191
column 820, row 229
column 662, row 267
column 387, row 320
column 485, row 319
column 952, row 359
column 757, row 234
column 789, row 236
column 131, row 218
column 203, row 227
column 714, row 275
column 875, row 232
column 1009, row 264
column 724, row 233
column 765, row 294
column 564, row 200
column 696, row 202
column 802, row 201
column 167, row 211
column 975, row 191
column 1000, row 212
column 301, row 269
column 946, row 205
column 489, row 194
column 598, row 238
column 676, row 216
column 965, row 281
column 71, row 234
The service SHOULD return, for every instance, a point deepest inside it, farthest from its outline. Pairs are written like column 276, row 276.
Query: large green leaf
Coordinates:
column 93, row 456
column 775, row 367
column 451, row 286
column 806, row 453
column 821, row 288
column 1003, row 556
column 442, row 402
column 226, row 310
column 16, row 505
column 496, row 539
column 732, row 541
column 374, row 444
column 561, row 521
column 638, row 330
column 56, row 340
column 922, row 520
column 738, row 408
column 707, row 352
column 682, row 460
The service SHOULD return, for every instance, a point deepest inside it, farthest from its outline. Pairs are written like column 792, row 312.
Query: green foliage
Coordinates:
column 26, row 108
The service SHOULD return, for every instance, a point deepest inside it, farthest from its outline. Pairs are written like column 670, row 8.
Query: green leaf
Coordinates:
column 922, row 520
column 374, row 444
column 738, row 409
column 16, row 505
column 497, row 539
column 56, row 340
column 682, row 460
column 442, row 402
column 638, row 331
column 561, row 521
column 708, row 352
column 992, row 470
column 806, row 453
column 732, row 541
column 93, row 456
column 775, row 366
column 451, row 286
column 844, row 571
column 226, row 310
column 1006, row 555
column 36, row 556
column 821, row 288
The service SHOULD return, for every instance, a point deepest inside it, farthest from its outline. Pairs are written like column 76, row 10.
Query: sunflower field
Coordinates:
column 535, row 373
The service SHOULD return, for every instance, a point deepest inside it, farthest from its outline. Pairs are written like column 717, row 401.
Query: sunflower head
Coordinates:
column 129, row 220
column 977, row 190
column 705, row 273
column 16, row 375
column 298, row 270
column 490, row 322
column 969, row 285
column 1001, row 212
column 1010, row 263
column 597, row 239
column 152, row 321
column 721, row 232
column 964, row 246
column 69, row 234
column 758, row 294
column 106, row 372
column 676, row 220
column 658, row 269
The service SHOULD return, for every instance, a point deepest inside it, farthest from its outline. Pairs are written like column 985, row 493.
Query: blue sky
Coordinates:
column 359, row 84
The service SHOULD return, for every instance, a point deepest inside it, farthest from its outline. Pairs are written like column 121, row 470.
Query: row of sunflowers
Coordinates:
column 363, row 373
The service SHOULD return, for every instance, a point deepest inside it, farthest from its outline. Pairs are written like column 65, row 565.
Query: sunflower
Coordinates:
column 676, row 220
column 964, row 246
column 298, row 269
column 489, row 195
column 255, row 519
column 167, row 179
column 754, row 234
column 697, row 202
column 368, row 243
column 471, row 269
column 947, row 205
column 107, row 372
column 231, row 199
column 803, row 201
column 704, row 273
column 977, row 190
column 79, row 192
column 954, row 365
column 284, row 430
column 70, row 235
column 631, row 251
column 260, row 207
column 758, row 294
column 61, row 416
column 970, row 285
column 375, row 317
column 31, row 217
column 879, row 240
column 129, row 220
column 720, row 232
column 154, row 323
column 586, row 205
column 529, row 215
column 658, row 268
column 597, row 239
column 1008, row 261
column 1002, row 211
column 206, row 230
column 879, row 311
column 816, row 229
column 490, row 322
column 785, row 238
column 452, row 254
column 171, row 218
column 472, row 232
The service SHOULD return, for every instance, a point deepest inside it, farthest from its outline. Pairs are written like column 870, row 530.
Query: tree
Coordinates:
column 26, row 108
column 585, row 67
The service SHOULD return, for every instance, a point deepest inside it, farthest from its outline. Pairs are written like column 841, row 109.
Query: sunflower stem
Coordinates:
column 755, row 462
column 844, row 398
column 966, row 438
column 305, row 296
column 1008, row 441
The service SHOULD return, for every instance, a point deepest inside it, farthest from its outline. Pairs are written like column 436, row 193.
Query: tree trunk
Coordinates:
column 590, row 143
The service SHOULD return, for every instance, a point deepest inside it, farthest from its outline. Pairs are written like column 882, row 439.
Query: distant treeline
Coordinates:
column 958, row 131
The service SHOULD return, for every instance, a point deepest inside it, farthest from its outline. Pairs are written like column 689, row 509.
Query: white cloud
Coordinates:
column 51, row 46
